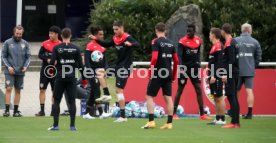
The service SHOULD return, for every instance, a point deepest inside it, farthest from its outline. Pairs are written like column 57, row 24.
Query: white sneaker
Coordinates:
column 217, row 122
column 87, row 116
column 105, row 115
column 119, row 120
column 104, row 98
column 220, row 122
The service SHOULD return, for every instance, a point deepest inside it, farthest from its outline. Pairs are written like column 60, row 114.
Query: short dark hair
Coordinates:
column 192, row 26
column 227, row 28
column 54, row 29
column 118, row 23
column 216, row 32
column 66, row 33
column 18, row 27
column 161, row 27
column 95, row 29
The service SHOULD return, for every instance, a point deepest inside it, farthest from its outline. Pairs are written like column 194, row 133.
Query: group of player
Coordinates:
column 163, row 55
column 55, row 54
column 220, row 57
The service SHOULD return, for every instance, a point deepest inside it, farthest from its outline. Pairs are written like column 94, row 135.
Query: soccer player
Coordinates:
column 45, row 54
column 161, row 75
column 189, row 47
column 216, row 86
column 99, row 75
column 124, row 44
column 231, row 64
column 16, row 58
column 67, row 58
column 250, row 57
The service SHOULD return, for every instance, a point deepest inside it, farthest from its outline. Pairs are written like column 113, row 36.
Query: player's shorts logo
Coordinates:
column 206, row 89
column 8, row 82
column 50, row 71
column 41, row 85
column 182, row 81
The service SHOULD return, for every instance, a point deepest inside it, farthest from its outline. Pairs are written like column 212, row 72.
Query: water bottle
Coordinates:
column 82, row 106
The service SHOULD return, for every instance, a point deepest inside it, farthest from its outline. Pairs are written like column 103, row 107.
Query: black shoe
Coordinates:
column 6, row 114
column 40, row 114
column 17, row 114
column 65, row 113
column 247, row 116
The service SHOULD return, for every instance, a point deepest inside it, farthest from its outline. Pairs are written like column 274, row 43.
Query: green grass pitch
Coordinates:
column 189, row 130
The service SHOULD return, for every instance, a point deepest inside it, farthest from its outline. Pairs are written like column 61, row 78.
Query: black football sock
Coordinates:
column 151, row 117
column 250, row 111
column 170, row 119
column 100, row 109
column 15, row 108
column 106, row 91
column 123, row 114
column 222, row 117
column 7, row 108
column 201, row 110
column 42, row 108
column 217, row 117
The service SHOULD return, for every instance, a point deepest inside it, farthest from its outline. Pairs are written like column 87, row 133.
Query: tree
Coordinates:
column 140, row 17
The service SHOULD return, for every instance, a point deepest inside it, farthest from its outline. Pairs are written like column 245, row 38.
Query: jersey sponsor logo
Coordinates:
column 211, row 56
column 48, row 54
column 246, row 55
column 11, row 46
column 194, row 51
column 70, row 50
column 119, row 47
column 67, row 61
column 248, row 45
column 188, row 51
column 162, row 44
column 164, row 55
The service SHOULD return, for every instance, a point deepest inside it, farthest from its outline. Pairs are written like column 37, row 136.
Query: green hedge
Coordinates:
column 140, row 17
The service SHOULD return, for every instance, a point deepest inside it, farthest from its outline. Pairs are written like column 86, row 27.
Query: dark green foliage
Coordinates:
column 140, row 17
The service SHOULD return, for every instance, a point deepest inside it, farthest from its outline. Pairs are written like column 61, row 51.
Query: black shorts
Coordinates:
column 44, row 81
column 122, row 77
column 156, row 83
column 231, row 86
column 217, row 88
column 193, row 73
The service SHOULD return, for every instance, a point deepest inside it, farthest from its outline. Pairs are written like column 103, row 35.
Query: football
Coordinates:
column 96, row 56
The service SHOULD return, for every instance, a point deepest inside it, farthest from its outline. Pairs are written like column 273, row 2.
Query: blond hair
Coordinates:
column 246, row 28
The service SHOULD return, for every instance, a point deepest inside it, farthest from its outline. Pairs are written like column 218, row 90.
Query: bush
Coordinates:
column 140, row 17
